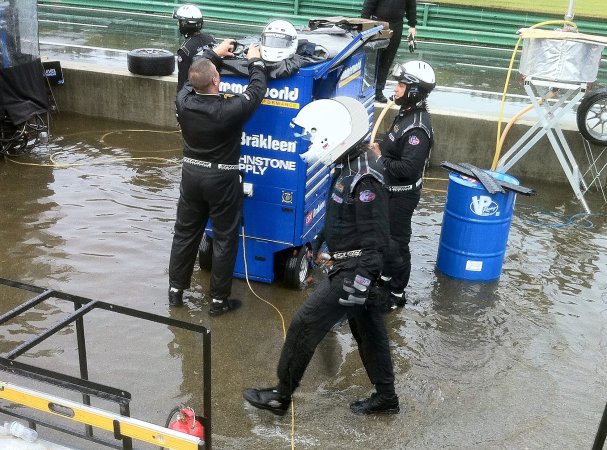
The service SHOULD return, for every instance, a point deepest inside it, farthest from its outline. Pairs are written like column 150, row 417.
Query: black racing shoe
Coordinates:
column 269, row 399
column 398, row 301
column 392, row 302
column 219, row 307
column 376, row 404
column 175, row 297
column 380, row 97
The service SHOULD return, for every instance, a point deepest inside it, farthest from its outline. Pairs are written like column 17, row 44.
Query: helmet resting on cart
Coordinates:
column 334, row 127
column 420, row 80
column 190, row 19
column 278, row 41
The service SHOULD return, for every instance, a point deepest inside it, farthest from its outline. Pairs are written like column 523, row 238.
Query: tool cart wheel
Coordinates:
column 297, row 267
column 151, row 61
column 592, row 117
column 205, row 252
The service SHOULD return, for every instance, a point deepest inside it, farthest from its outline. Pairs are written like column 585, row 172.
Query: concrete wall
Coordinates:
column 460, row 136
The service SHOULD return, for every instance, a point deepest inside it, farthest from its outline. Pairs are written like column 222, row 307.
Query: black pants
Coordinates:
column 203, row 194
column 316, row 317
column 386, row 55
column 397, row 263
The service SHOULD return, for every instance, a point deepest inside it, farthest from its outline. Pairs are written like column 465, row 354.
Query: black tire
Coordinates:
column 151, row 62
column 205, row 253
column 297, row 268
column 592, row 117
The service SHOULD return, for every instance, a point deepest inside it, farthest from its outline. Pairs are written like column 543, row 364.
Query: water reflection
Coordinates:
column 508, row 364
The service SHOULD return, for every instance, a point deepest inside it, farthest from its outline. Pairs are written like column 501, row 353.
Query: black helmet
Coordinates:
column 190, row 19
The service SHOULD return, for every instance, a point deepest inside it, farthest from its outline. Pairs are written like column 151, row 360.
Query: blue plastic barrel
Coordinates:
column 475, row 229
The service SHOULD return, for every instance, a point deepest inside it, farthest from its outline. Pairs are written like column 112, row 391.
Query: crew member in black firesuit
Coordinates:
column 404, row 153
column 211, row 186
column 393, row 12
column 356, row 234
column 190, row 23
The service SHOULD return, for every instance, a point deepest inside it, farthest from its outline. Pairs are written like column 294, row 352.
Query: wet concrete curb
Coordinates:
column 461, row 136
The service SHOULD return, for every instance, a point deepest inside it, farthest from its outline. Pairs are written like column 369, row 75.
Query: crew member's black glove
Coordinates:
column 353, row 293
column 412, row 43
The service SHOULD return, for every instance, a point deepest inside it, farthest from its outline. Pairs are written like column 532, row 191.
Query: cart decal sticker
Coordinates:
column 258, row 164
column 285, row 97
column 413, row 140
column 483, row 205
column 339, row 187
column 280, row 104
column 349, row 74
column 367, row 196
column 336, row 198
column 285, row 93
column 268, row 142
column 310, row 216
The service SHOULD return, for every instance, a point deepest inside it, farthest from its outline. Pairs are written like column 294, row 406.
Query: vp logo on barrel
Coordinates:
column 483, row 205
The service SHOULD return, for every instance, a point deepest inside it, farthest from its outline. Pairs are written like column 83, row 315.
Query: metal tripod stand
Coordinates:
column 550, row 115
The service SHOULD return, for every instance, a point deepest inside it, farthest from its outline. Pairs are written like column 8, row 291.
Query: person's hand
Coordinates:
column 374, row 148
column 411, row 40
column 254, row 51
column 225, row 48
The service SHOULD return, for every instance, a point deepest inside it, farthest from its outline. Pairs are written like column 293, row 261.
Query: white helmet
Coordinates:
column 190, row 19
column 278, row 41
column 333, row 127
column 420, row 78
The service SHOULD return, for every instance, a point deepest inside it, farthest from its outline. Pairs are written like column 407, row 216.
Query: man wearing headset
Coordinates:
column 404, row 154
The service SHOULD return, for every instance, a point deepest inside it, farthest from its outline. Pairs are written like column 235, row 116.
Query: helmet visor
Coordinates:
column 301, row 132
column 402, row 76
column 276, row 40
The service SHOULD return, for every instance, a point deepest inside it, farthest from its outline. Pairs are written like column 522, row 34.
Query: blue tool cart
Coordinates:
column 285, row 199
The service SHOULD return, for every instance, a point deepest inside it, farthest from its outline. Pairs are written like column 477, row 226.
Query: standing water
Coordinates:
column 516, row 363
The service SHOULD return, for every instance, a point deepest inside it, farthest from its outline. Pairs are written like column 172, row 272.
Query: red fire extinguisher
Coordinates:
column 186, row 422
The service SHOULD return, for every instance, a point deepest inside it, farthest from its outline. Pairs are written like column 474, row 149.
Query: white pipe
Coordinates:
column 569, row 15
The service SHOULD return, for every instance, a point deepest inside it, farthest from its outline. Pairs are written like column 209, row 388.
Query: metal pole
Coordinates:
column 601, row 433
column 569, row 15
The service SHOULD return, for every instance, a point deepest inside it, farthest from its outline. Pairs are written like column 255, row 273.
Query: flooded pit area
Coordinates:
column 516, row 363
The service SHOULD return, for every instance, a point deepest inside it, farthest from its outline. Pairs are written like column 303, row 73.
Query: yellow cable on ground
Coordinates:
column 53, row 156
column 501, row 115
column 282, row 320
column 102, row 140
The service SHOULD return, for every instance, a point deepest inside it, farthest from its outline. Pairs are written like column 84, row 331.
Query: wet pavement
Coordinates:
column 514, row 364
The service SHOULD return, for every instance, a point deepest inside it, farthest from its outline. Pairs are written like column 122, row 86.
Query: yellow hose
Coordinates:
column 380, row 119
column 499, row 142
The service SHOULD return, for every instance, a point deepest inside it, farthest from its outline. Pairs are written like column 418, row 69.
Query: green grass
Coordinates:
column 581, row 8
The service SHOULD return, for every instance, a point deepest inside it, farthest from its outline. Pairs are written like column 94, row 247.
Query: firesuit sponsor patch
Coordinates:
column 336, row 198
column 413, row 140
column 362, row 280
column 367, row 196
